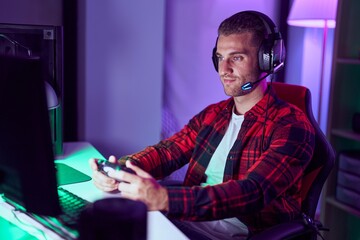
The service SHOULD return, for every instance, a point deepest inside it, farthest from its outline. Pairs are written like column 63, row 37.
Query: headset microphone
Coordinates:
column 249, row 85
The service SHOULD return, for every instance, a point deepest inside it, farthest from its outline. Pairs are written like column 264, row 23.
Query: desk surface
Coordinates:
column 76, row 155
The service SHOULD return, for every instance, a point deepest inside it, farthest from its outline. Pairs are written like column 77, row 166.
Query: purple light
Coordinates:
column 315, row 23
column 315, row 14
column 310, row 13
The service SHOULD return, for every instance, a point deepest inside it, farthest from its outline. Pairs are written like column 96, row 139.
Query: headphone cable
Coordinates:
column 262, row 146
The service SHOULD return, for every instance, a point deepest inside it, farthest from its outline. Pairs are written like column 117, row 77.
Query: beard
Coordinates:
column 234, row 88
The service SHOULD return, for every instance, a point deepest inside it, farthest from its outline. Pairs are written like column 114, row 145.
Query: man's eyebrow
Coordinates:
column 238, row 52
column 234, row 53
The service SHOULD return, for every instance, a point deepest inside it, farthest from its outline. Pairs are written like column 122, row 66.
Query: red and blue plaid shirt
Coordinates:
column 263, row 170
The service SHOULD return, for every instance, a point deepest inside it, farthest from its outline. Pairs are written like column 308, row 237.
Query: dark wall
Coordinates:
column 70, row 70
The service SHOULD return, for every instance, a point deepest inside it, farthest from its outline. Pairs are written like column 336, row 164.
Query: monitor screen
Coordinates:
column 27, row 168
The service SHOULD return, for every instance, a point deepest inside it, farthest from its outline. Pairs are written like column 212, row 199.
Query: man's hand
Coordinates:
column 101, row 181
column 141, row 187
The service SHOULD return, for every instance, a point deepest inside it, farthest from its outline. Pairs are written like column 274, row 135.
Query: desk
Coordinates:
column 76, row 155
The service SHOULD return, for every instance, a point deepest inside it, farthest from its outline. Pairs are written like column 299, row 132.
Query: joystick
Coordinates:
column 105, row 166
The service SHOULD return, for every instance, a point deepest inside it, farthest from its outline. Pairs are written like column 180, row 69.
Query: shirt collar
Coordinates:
column 259, row 108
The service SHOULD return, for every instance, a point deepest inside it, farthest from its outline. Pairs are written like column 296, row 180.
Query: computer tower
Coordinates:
column 44, row 42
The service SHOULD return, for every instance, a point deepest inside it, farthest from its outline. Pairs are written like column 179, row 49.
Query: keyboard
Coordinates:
column 65, row 224
column 71, row 206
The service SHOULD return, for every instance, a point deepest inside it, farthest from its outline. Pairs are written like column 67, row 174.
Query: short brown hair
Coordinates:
column 242, row 22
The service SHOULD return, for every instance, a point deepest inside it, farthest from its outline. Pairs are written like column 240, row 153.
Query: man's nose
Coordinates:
column 225, row 67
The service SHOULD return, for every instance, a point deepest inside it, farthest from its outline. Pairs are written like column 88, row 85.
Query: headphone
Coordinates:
column 271, row 53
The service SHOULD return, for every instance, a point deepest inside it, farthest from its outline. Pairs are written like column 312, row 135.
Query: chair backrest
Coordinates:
column 323, row 158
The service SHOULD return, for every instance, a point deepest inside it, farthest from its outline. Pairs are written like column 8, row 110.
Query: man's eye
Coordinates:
column 237, row 58
column 220, row 58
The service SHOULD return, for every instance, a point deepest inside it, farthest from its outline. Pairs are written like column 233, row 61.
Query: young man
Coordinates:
column 246, row 154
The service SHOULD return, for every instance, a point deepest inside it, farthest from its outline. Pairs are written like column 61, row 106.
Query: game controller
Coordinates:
column 105, row 166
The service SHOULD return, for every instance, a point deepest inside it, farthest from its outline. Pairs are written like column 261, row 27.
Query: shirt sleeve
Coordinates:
column 168, row 155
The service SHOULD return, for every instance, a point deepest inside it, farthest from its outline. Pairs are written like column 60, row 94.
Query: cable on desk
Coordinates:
column 26, row 224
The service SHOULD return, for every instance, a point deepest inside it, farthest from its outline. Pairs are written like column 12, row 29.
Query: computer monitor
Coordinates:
column 27, row 168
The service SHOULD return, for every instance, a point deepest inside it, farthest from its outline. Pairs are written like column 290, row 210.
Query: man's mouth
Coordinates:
column 228, row 80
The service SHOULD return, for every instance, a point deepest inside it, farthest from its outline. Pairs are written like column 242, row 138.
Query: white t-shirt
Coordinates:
column 216, row 167
column 228, row 228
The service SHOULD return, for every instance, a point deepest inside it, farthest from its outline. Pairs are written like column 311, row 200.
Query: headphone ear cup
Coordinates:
column 265, row 56
column 215, row 59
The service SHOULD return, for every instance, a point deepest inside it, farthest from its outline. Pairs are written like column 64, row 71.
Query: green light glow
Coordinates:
column 11, row 231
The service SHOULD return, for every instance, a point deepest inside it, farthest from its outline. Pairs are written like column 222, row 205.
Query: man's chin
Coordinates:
column 238, row 93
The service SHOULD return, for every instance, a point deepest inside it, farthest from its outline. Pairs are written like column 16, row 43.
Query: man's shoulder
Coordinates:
column 224, row 106
column 289, row 108
column 288, row 113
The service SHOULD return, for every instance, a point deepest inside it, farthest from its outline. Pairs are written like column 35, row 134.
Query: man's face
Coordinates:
column 238, row 62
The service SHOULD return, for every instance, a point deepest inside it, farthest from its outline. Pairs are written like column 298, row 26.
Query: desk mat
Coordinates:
column 68, row 175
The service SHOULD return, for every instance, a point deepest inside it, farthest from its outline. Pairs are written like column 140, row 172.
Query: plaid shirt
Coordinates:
column 263, row 169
